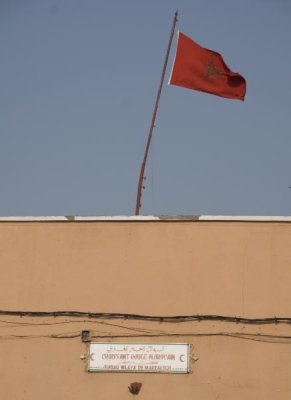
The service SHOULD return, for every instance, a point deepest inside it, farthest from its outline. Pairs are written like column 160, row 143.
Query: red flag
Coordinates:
column 201, row 69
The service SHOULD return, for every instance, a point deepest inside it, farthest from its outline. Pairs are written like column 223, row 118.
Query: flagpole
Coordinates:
column 150, row 134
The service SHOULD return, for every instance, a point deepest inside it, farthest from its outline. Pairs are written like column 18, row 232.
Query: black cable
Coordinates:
column 266, row 338
column 176, row 318
column 239, row 335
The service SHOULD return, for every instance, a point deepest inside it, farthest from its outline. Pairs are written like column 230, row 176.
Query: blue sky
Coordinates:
column 78, row 85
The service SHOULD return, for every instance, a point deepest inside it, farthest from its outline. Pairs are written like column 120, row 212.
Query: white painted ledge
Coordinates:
column 149, row 218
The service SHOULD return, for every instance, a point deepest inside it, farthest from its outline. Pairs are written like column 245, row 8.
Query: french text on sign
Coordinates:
column 139, row 357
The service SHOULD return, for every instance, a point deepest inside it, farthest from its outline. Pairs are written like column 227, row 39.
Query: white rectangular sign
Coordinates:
column 139, row 357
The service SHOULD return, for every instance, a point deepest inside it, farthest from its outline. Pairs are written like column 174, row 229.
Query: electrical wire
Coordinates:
column 266, row 338
column 139, row 332
column 176, row 318
column 280, row 339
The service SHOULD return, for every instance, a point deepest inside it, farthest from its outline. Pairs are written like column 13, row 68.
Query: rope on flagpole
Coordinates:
column 150, row 134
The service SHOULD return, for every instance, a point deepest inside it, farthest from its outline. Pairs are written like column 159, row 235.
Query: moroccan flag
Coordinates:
column 201, row 69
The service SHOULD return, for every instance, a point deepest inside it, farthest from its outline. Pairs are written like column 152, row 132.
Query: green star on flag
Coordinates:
column 212, row 70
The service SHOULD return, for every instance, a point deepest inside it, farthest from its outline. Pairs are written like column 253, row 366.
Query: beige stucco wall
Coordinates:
column 153, row 268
